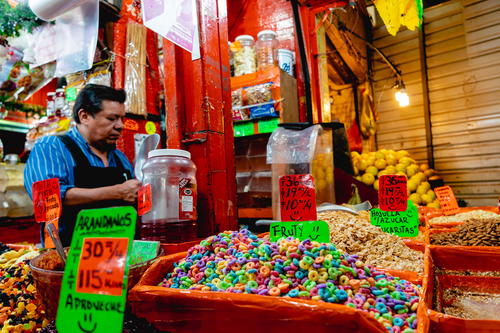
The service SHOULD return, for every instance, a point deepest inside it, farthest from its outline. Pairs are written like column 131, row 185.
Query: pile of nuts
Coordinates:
column 355, row 234
column 484, row 232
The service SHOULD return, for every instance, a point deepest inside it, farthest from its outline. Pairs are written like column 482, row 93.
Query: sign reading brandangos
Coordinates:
column 94, row 286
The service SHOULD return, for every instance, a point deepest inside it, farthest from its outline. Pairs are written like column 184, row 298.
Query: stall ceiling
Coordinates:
column 463, row 69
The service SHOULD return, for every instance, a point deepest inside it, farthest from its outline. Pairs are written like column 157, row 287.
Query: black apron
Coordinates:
column 87, row 176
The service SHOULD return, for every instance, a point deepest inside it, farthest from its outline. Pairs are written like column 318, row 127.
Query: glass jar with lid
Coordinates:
column 244, row 55
column 267, row 49
column 169, row 175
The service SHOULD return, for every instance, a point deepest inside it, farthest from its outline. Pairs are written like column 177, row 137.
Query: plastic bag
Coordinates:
column 258, row 94
column 291, row 146
column 77, row 38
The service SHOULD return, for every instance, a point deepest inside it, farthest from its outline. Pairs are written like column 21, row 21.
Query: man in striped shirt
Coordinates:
column 92, row 173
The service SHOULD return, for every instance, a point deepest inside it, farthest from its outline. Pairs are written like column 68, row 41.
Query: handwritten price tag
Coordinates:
column 94, row 285
column 144, row 200
column 46, row 200
column 393, row 193
column 297, row 198
column 102, row 266
column 314, row 230
column 447, row 200
column 402, row 224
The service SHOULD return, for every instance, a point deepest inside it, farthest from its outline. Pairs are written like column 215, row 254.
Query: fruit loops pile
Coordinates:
column 240, row 262
column 20, row 311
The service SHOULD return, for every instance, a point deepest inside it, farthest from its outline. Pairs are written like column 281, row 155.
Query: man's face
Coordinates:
column 104, row 127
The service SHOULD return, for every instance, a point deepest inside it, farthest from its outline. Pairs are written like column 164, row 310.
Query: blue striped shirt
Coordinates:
column 51, row 159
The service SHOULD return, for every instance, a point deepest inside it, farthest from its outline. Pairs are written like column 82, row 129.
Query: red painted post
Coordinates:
column 199, row 116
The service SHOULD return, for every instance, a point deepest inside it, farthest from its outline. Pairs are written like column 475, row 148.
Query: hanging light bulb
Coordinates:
column 401, row 95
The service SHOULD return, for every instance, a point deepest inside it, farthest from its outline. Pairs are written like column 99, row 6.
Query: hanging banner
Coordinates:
column 176, row 21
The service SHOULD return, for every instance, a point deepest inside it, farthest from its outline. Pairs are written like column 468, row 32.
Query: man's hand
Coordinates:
column 127, row 191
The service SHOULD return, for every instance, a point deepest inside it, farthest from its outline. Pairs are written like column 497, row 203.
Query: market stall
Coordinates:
column 267, row 200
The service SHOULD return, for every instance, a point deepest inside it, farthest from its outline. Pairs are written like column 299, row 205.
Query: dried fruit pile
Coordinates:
column 20, row 311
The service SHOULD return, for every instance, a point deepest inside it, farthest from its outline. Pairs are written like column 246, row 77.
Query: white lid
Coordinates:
column 245, row 37
column 267, row 32
column 285, row 51
column 60, row 90
column 169, row 152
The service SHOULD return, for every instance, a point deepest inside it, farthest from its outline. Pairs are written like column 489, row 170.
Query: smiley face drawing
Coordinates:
column 87, row 320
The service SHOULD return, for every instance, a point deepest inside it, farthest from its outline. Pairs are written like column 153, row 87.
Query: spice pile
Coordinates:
column 485, row 232
column 20, row 311
column 355, row 234
column 240, row 262
column 464, row 217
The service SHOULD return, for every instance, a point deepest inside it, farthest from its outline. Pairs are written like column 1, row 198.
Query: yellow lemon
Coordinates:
column 362, row 165
column 412, row 185
column 400, row 167
column 426, row 185
column 373, row 170
column 415, row 198
column 431, row 194
column 402, row 153
column 375, row 185
column 379, row 155
column 391, row 159
column 426, row 199
column 434, row 204
column 391, row 169
column 368, row 178
column 380, row 164
column 429, row 173
column 356, row 171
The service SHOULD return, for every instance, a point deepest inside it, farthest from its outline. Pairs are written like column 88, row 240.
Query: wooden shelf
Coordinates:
column 255, row 213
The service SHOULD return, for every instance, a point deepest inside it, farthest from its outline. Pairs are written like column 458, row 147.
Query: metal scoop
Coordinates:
column 149, row 143
column 54, row 234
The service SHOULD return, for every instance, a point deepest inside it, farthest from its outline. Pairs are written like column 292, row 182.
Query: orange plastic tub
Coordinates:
column 177, row 310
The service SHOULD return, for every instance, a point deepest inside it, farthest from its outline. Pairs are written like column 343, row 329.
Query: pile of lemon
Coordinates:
column 368, row 167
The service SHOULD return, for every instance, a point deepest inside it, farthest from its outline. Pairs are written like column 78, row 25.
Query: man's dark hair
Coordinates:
column 91, row 97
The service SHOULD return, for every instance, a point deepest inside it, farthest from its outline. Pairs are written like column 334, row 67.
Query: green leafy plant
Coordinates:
column 13, row 20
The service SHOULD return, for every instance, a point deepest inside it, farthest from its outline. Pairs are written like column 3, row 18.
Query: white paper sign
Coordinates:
column 175, row 20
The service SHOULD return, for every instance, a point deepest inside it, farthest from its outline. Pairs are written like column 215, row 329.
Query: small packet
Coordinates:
column 261, row 93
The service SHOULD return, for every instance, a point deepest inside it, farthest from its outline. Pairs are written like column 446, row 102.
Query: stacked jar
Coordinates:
column 244, row 56
column 266, row 49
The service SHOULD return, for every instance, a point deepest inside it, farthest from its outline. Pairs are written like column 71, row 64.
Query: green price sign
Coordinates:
column 402, row 224
column 268, row 126
column 244, row 129
column 143, row 251
column 94, row 285
column 71, row 94
column 314, row 230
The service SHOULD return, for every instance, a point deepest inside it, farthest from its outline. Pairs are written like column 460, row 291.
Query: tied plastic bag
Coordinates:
column 291, row 146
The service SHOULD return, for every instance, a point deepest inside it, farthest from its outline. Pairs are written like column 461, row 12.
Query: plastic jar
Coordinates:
column 244, row 56
column 267, row 49
column 172, row 177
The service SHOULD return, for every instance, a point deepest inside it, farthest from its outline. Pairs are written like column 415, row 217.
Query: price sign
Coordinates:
column 297, row 198
column 447, row 200
column 393, row 193
column 143, row 251
column 102, row 266
column 314, row 230
column 144, row 200
column 94, row 285
column 402, row 224
column 46, row 200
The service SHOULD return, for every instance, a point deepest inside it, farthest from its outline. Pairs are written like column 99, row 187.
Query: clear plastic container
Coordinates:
column 172, row 176
column 244, row 55
column 266, row 49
